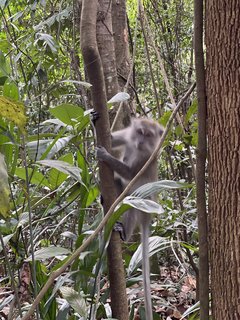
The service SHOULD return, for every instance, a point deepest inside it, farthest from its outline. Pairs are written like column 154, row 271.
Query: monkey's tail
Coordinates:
column 146, row 268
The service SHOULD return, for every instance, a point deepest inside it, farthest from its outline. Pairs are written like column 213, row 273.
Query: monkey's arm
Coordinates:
column 116, row 165
column 119, row 137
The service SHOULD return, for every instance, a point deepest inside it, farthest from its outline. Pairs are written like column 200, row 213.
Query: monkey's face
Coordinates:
column 146, row 136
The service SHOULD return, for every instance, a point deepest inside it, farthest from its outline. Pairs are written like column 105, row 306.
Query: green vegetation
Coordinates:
column 52, row 202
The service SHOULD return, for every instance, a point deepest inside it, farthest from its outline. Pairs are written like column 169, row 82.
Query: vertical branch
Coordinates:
column 201, row 162
column 94, row 68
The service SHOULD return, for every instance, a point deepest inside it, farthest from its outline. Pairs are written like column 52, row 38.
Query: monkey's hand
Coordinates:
column 101, row 153
column 94, row 116
column 118, row 227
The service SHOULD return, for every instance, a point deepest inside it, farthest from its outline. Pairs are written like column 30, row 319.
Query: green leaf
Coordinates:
column 36, row 177
column 165, row 117
column 4, row 69
column 156, row 244
column 57, row 17
column 64, row 167
column 10, row 90
column 49, row 252
column 155, row 187
column 191, row 111
column 68, row 113
column 47, row 40
column 4, row 188
column 41, row 146
column 144, row 205
column 56, row 177
column 75, row 300
column 92, row 195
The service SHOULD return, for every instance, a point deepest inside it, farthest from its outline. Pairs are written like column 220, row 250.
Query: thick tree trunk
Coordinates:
column 223, row 96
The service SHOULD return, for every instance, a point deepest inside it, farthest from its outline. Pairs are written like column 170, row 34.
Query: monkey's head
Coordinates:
column 146, row 134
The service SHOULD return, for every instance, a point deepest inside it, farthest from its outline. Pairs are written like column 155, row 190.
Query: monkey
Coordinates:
column 136, row 142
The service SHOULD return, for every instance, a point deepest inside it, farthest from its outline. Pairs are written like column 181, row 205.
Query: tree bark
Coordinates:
column 123, row 58
column 223, row 99
column 106, row 47
column 93, row 63
column 105, row 42
column 201, row 162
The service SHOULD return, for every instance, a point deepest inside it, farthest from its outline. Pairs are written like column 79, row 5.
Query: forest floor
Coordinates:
column 172, row 294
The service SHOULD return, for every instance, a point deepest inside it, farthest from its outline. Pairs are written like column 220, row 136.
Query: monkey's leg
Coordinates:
column 130, row 222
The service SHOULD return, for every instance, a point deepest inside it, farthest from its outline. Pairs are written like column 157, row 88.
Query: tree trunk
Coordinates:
column 106, row 48
column 203, row 277
column 123, row 59
column 95, row 73
column 223, row 88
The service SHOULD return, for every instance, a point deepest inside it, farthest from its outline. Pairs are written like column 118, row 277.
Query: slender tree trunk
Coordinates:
column 106, row 48
column 201, row 162
column 93, row 63
column 223, row 99
column 123, row 59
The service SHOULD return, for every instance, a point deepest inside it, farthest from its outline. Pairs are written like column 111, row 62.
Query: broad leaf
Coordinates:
column 75, row 300
column 155, row 187
column 10, row 90
column 68, row 113
column 36, row 177
column 156, row 244
column 144, row 205
column 64, row 167
column 49, row 252
column 42, row 145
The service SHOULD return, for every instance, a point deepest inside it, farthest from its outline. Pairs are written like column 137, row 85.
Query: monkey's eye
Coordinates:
column 139, row 131
column 149, row 134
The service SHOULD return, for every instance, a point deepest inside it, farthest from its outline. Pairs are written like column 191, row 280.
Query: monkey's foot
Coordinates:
column 118, row 227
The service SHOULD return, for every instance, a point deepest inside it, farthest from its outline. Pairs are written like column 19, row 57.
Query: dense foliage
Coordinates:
column 49, row 155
